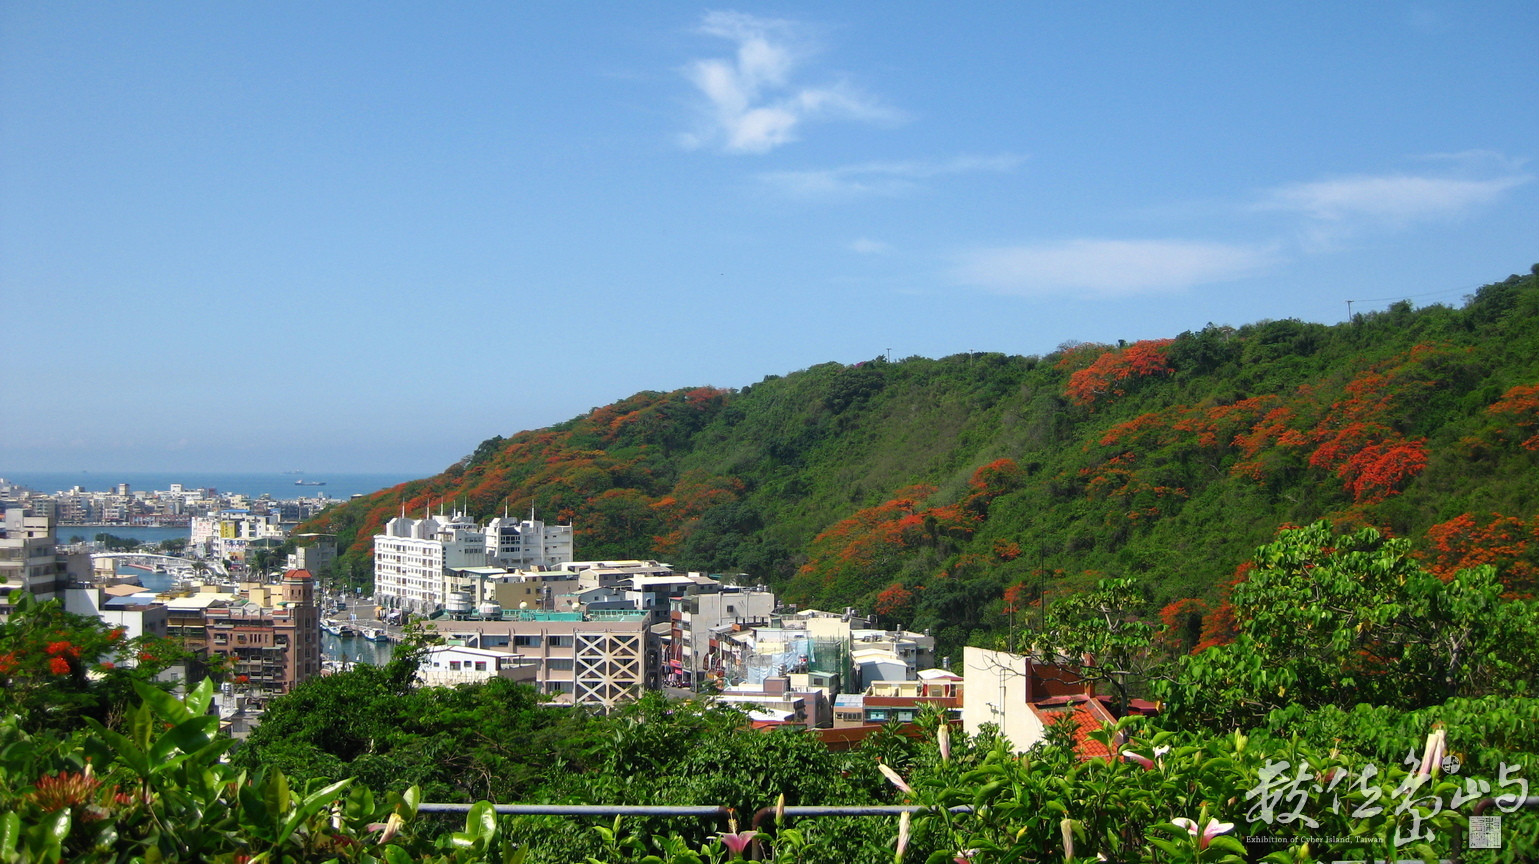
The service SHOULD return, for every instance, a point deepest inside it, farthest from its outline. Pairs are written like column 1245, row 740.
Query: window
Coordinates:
column 558, row 665
column 561, row 641
column 480, row 665
column 454, row 665
column 526, row 641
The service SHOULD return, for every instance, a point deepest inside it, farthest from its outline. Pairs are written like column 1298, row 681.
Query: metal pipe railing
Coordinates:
column 714, row 812
column 765, row 814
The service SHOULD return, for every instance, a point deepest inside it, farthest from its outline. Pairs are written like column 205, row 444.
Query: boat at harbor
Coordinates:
column 376, row 634
column 331, row 627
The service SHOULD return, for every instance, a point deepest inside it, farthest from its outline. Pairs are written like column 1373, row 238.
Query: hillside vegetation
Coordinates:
column 956, row 493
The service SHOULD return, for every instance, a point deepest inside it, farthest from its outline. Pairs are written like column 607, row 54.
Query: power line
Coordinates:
column 1410, row 296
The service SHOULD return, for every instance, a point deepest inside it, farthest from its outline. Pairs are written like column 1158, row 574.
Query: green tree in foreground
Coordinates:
column 1327, row 619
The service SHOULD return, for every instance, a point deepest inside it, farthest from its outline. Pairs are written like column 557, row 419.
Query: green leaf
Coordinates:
column 189, row 736
column 127, row 751
column 165, row 706
column 10, row 831
column 1228, row 844
column 198, row 700
column 397, row 855
column 481, row 821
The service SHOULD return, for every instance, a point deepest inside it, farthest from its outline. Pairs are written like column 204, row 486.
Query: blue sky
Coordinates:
column 365, row 236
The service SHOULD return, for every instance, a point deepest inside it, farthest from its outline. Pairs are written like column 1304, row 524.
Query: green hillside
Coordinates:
column 954, row 493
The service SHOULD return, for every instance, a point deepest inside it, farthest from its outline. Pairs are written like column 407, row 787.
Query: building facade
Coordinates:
column 270, row 649
column 413, row 556
column 527, row 543
column 601, row 659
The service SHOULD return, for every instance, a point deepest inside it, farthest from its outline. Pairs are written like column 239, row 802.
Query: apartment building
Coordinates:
column 272, row 648
column 413, row 556
column 30, row 559
column 527, row 543
column 227, row 534
column 601, row 659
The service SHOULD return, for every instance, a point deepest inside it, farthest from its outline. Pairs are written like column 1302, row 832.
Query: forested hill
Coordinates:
column 952, row 493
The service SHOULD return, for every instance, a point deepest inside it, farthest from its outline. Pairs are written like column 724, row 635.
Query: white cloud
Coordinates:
column 1393, row 199
column 1341, row 206
column 878, row 178
column 867, row 246
column 1106, row 268
column 752, row 104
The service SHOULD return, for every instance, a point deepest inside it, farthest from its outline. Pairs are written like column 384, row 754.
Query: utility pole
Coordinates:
column 1349, row 311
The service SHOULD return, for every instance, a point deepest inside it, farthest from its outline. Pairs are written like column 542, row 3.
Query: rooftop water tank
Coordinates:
column 458, row 603
column 490, row 611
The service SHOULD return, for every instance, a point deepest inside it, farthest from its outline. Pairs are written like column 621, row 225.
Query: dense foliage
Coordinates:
column 1360, row 708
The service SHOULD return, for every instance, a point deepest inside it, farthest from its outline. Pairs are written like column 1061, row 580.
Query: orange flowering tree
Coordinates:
column 1509, row 544
column 1519, row 407
column 1109, row 373
column 56, row 666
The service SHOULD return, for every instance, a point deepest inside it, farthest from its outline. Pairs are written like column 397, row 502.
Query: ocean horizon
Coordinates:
column 340, row 485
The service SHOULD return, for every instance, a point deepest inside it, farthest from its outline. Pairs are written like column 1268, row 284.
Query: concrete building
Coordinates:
column 1011, row 690
column 777, row 703
column 137, row 615
column 313, row 552
column 31, row 561
column 412, row 558
column 451, row 665
column 227, row 534
column 697, row 618
column 272, row 648
column 527, row 543
column 599, row 659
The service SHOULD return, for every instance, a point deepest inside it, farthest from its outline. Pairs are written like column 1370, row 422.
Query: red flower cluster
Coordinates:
column 1505, row 542
column 1522, row 403
column 1135, row 361
column 62, row 648
column 58, row 666
column 894, row 600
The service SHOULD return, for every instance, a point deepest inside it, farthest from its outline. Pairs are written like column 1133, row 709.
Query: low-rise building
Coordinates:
column 777, row 702
column 450, row 665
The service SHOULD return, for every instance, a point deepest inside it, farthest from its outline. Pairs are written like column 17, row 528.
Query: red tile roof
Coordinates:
column 1087, row 715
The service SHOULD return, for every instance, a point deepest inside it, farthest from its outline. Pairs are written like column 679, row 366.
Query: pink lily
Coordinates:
column 895, row 777
column 737, row 842
column 1139, row 758
column 965, row 856
column 1432, row 757
column 1211, row 830
column 943, row 738
column 903, row 831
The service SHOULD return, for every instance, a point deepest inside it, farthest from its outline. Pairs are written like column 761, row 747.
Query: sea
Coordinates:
column 278, row 485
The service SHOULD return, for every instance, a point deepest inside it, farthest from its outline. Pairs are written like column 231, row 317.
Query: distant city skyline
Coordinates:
column 364, row 237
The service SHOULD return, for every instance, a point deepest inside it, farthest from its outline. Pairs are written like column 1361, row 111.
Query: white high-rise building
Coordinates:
column 529, row 543
column 412, row 557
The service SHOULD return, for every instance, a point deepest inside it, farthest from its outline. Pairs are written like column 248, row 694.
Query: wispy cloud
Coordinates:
column 1340, row 206
column 867, row 246
column 878, row 178
column 1106, row 268
column 752, row 105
